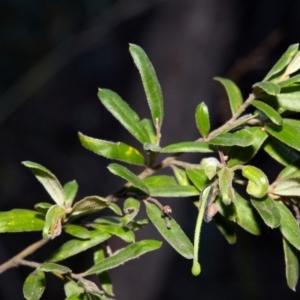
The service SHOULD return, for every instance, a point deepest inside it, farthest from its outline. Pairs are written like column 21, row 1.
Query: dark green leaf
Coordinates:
column 150, row 83
column 123, row 113
column 245, row 215
column 55, row 268
column 280, row 152
column 201, row 147
column 122, row 232
column 130, row 252
column 268, row 211
column 77, row 231
column 53, row 222
column 225, row 185
column 19, row 220
column 242, row 138
column 289, row 227
column 198, row 178
column 174, row 236
column 202, row 119
column 283, row 61
column 237, row 157
column 287, row 187
column 48, row 180
column 233, row 92
column 131, row 209
column 129, row 176
column 34, row 285
column 89, row 205
column 76, row 246
column 118, row 151
column 270, row 88
column 288, row 134
column 291, row 264
column 226, row 228
column 70, row 190
column 269, row 111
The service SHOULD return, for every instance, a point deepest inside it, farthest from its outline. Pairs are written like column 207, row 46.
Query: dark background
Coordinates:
column 53, row 57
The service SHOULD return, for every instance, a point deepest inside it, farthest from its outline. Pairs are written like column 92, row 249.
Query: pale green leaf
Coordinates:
column 227, row 194
column 149, row 128
column 42, row 207
column 88, row 205
column 150, row 82
column 198, row 178
column 55, row 268
column 128, row 253
column 34, row 285
column 290, row 81
column 70, row 191
column 181, row 176
column 71, row 288
column 77, row 231
column 174, row 236
column 53, row 222
column 131, row 209
column 242, row 138
column 202, row 119
column 48, row 180
column 287, row 187
column 118, row 151
column 186, row 147
column 270, row 88
column 269, row 111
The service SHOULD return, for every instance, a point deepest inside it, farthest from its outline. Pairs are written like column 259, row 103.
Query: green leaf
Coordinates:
column 289, row 81
column 283, row 61
column 42, row 207
column 77, row 231
column 198, row 178
column 291, row 264
column 174, row 236
column 91, row 288
column 181, row 176
column 71, row 288
column 118, row 151
column 269, row 111
column 104, row 277
column 48, row 180
column 225, row 185
column 149, row 128
column 34, row 285
column 242, row 138
column 122, row 232
column 19, row 220
column 123, row 113
column 288, row 134
column 130, row 252
column 287, row 187
column 202, row 119
column 129, row 176
column 152, row 147
column 237, row 157
column 210, row 166
column 160, row 180
column 76, row 246
column 233, row 92
column 258, row 183
column 294, row 65
column 131, row 209
column 280, row 152
column 290, row 170
column 246, row 216
column 268, row 211
column 289, row 98
column 70, row 191
column 88, row 205
column 55, row 268
column 150, row 82
column 270, row 88
column 53, row 222
column 115, row 208
column 186, row 147
column 227, row 211
column 226, row 228
column 289, row 227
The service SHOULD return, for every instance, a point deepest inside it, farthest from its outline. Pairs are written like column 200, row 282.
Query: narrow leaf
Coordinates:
column 202, row 119
column 198, row 178
column 70, row 191
column 225, row 185
column 131, row 209
column 174, row 236
column 289, row 227
column 269, row 88
column 233, row 92
column 123, row 113
column 118, row 151
column 283, row 61
column 129, row 176
column 89, row 205
column 287, row 187
column 149, row 128
column 246, row 216
column 269, row 111
column 34, row 285
column 226, row 228
column 181, row 176
column 290, row 81
column 289, row 98
column 288, row 134
column 76, row 246
column 186, row 147
column 237, row 157
column 42, row 207
column 53, row 222
column 160, row 180
column 294, row 65
column 128, row 253
column 242, row 138
column 55, row 268
column 291, row 264
column 150, row 82
column 19, row 220
column 48, row 180
column 77, row 231
column 268, row 210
